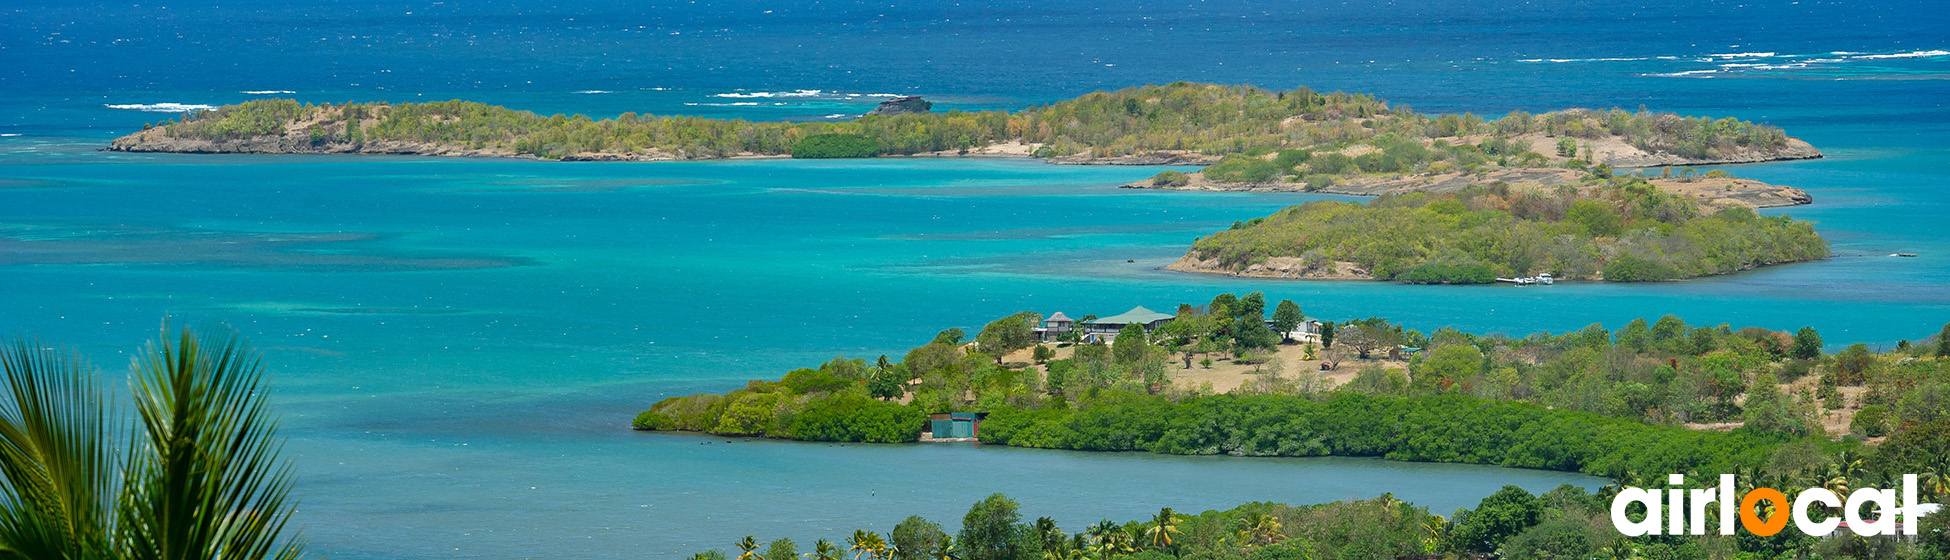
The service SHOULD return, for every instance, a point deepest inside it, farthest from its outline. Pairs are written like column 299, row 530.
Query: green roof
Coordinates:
column 1138, row 315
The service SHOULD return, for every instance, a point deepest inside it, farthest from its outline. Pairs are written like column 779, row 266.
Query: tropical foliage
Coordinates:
column 1567, row 523
column 198, row 477
column 1618, row 228
column 1204, row 118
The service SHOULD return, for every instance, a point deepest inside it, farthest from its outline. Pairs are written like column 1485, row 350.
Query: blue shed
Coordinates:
column 955, row 425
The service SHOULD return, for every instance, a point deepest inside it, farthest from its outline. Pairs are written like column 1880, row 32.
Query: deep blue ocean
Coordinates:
column 456, row 345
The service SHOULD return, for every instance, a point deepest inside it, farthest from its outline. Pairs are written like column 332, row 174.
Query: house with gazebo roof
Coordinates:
column 1054, row 327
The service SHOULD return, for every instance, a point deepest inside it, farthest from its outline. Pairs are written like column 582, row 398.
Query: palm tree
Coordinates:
column 1163, row 526
column 824, row 550
column 1047, row 530
column 1101, row 531
column 857, row 544
column 866, row 542
column 1438, row 533
column 749, row 546
column 1266, row 530
column 1935, row 478
column 946, row 550
column 202, row 478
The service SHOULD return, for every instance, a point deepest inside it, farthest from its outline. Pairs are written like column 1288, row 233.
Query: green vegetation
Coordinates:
column 1606, row 403
column 1565, row 523
column 1618, row 228
column 1204, row 118
column 835, row 146
column 196, row 475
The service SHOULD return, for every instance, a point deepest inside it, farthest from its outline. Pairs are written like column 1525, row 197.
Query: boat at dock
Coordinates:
column 1544, row 279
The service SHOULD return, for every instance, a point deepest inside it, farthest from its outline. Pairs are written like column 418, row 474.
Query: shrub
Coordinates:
column 1627, row 268
column 1171, row 178
column 820, row 146
column 1871, row 421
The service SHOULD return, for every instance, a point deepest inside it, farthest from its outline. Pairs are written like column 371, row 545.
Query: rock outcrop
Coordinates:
column 902, row 105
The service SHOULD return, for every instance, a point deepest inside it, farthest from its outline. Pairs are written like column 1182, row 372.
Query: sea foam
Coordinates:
column 162, row 107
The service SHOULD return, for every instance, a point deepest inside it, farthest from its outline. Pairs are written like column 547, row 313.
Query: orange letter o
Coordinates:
column 1773, row 524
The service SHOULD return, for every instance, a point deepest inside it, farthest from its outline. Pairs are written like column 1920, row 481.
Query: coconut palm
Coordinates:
column 1935, row 478
column 749, row 548
column 865, row 543
column 1437, row 530
column 1046, row 530
column 200, row 479
column 1163, row 526
column 824, row 550
column 1266, row 530
column 946, row 550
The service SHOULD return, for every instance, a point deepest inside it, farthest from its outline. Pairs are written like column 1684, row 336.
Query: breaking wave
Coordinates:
column 162, row 107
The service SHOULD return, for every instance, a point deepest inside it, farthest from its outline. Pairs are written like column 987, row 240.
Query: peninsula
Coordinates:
column 1227, row 378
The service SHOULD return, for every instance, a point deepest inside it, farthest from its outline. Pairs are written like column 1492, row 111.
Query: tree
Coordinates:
column 1252, row 307
column 990, row 530
column 950, row 336
column 202, row 478
column 865, row 543
column 1327, row 336
column 1009, row 334
column 916, row 538
column 1853, row 363
column 1163, row 527
column 1768, row 411
column 1042, row 354
column 1498, row 517
column 1943, row 342
column 1371, row 334
column 1286, row 317
column 1870, row 421
column 887, row 385
column 825, row 550
column 1557, row 539
column 782, row 549
column 1130, row 346
column 1807, row 344
column 1454, row 362
column 748, row 549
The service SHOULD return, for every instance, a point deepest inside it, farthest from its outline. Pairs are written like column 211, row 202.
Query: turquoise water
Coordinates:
column 456, row 344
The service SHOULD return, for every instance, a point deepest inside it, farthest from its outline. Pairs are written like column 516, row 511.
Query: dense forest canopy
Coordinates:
column 1617, row 227
column 1628, row 404
column 1204, row 118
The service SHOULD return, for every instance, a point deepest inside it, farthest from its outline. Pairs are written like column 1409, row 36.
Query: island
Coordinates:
column 1463, row 199
column 1619, row 228
column 1226, row 378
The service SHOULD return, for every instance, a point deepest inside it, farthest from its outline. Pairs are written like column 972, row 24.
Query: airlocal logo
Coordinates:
column 1677, row 503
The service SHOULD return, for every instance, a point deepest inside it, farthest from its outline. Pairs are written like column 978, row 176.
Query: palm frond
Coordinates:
column 205, row 481
column 57, row 496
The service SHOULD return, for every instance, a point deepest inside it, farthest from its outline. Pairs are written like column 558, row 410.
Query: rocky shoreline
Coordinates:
column 155, row 141
column 1711, row 191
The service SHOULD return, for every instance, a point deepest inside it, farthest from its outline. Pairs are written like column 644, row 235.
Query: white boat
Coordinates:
column 1544, row 279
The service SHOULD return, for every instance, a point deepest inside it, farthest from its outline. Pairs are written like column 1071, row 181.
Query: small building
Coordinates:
column 1108, row 327
column 954, row 425
column 1306, row 331
column 1054, row 327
